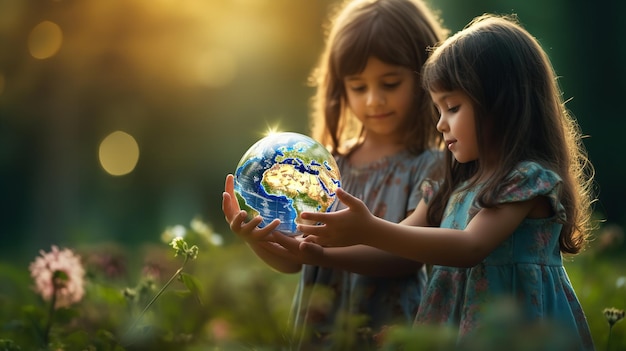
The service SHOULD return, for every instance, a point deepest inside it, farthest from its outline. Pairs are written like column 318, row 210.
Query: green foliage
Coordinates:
column 224, row 299
column 227, row 299
column 600, row 282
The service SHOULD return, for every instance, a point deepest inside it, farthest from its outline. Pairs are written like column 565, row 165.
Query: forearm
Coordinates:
column 432, row 245
column 368, row 260
column 413, row 240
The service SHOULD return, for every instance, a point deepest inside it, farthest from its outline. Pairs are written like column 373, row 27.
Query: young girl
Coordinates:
column 516, row 192
column 372, row 113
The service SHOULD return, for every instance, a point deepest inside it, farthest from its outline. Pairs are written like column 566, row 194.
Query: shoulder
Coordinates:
column 531, row 176
column 424, row 159
column 432, row 155
column 529, row 180
column 425, row 167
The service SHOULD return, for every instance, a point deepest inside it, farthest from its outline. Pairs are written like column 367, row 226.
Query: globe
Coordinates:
column 284, row 174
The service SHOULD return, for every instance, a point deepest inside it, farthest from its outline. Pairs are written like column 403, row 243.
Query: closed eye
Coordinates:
column 454, row 109
column 391, row 86
column 358, row 89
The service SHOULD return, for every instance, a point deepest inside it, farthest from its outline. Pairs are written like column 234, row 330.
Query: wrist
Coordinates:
column 367, row 236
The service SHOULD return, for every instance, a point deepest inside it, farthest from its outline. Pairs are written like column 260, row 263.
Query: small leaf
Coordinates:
column 193, row 284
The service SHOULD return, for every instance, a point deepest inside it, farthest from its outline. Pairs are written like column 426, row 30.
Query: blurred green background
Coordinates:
column 120, row 118
column 195, row 83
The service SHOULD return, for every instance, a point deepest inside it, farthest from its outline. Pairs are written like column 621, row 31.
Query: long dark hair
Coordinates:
column 398, row 32
column 520, row 116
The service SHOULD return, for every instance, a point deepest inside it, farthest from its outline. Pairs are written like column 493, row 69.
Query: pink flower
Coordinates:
column 220, row 329
column 60, row 272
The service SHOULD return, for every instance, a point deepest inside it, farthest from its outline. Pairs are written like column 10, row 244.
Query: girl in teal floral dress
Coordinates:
column 515, row 197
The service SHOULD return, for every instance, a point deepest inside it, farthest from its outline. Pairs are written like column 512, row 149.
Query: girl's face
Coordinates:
column 380, row 97
column 457, row 124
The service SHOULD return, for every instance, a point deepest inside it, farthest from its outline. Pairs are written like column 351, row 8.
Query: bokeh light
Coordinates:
column 119, row 153
column 12, row 14
column 45, row 40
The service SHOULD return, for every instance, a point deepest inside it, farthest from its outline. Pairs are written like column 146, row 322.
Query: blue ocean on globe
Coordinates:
column 284, row 174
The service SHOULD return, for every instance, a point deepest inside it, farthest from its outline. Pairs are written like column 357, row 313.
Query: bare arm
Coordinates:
column 290, row 253
column 461, row 248
column 370, row 261
column 359, row 259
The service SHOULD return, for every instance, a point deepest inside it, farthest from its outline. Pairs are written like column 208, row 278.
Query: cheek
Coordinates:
column 406, row 98
column 354, row 102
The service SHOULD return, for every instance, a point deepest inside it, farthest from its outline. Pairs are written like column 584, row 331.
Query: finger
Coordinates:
column 261, row 234
column 265, row 233
column 313, row 240
column 320, row 217
column 311, row 248
column 229, row 188
column 279, row 251
column 308, row 229
column 238, row 224
column 227, row 207
column 287, row 242
column 346, row 198
column 325, row 217
column 229, row 184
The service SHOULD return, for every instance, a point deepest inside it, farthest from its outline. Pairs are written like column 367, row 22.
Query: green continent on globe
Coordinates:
column 301, row 186
column 243, row 205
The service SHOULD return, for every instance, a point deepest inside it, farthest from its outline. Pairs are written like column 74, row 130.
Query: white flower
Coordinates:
column 177, row 231
column 613, row 315
column 180, row 245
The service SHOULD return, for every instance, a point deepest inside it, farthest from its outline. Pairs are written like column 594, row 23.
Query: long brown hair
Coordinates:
column 398, row 32
column 520, row 116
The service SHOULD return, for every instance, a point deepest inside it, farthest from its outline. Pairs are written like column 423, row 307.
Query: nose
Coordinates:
column 442, row 124
column 375, row 97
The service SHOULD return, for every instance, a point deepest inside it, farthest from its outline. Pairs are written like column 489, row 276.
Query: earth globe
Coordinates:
column 283, row 175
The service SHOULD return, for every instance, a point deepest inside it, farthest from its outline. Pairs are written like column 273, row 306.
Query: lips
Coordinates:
column 380, row 115
column 449, row 143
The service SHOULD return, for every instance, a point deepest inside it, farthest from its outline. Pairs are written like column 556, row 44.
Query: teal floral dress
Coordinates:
column 527, row 267
column 327, row 299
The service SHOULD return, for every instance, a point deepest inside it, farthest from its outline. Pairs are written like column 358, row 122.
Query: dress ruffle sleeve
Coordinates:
column 428, row 188
column 529, row 180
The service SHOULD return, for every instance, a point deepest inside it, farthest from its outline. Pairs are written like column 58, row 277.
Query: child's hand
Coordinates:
column 341, row 228
column 296, row 249
column 293, row 249
column 235, row 217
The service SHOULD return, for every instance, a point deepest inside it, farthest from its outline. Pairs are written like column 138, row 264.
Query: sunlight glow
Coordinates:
column 119, row 153
column 45, row 40
column 214, row 68
column 272, row 130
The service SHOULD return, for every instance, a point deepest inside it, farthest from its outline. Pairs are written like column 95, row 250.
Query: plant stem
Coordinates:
column 157, row 295
column 53, row 301
column 608, row 340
